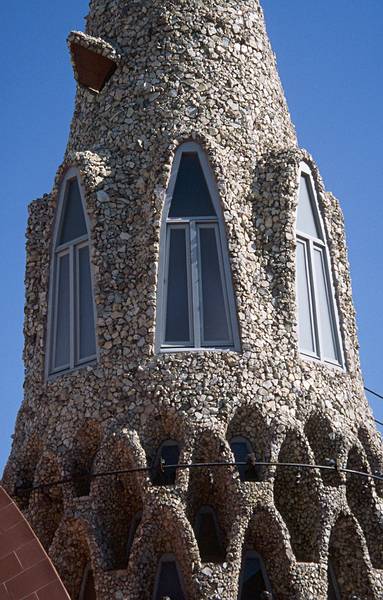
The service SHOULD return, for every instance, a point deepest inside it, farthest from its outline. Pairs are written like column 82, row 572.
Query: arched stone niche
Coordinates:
column 118, row 498
column 266, row 534
column 326, row 444
column 83, row 452
column 347, row 557
column 161, row 427
column 71, row 554
column 297, row 498
column 248, row 422
column 372, row 447
column 211, row 486
column 363, row 505
column 26, row 471
column 47, row 505
column 165, row 531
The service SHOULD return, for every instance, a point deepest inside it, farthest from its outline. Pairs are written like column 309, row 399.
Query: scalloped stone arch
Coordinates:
column 297, row 497
column 47, row 506
column 326, row 443
column 372, row 447
column 363, row 505
column 212, row 486
column 163, row 425
column 266, row 534
column 118, row 498
column 71, row 553
column 26, row 470
column 86, row 444
column 164, row 530
column 249, row 422
column 349, row 558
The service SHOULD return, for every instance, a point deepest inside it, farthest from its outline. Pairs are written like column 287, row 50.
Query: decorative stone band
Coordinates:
column 25, row 569
column 94, row 60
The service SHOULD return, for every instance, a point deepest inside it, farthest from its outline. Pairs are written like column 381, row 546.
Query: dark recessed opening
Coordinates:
column 93, row 69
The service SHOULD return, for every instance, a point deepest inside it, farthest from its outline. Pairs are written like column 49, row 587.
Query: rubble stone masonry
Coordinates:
column 199, row 70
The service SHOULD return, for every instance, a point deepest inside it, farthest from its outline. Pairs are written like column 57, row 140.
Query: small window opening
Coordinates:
column 88, row 590
column 168, row 581
column 168, row 454
column 333, row 588
column 254, row 583
column 243, row 453
column 134, row 525
column 208, row 536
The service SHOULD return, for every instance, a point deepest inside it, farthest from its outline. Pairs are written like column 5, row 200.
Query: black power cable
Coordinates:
column 333, row 467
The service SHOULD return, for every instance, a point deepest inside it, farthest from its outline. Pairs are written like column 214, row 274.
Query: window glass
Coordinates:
column 306, row 219
column 208, row 538
column 169, row 454
column 73, row 220
column 241, row 449
column 305, row 323
column 215, row 318
column 324, row 308
column 318, row 330
column 333, row 589
column 168, row 583
column 177, row 309
column 191, row 197
column 87, row 341
column 88, row 590
column 71, row 325
column 132, row 532
column 62, row 349
column 197, row 307
column 252, row 580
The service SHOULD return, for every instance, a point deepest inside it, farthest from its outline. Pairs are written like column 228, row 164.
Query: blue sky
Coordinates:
column 330, row 57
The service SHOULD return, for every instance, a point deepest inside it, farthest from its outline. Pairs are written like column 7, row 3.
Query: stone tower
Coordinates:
column 188, row 301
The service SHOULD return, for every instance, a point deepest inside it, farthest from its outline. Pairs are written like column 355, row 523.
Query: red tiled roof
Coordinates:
column 26, row 573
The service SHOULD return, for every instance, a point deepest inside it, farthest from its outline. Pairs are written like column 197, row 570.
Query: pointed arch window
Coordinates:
column 333, row 588
column 241, row 448
column 169, row 582
column 318, row 329
column 208, row 536
column 253, row 581
column 71, row 331
column 88, row 590
column 168, row 454
column 196, row 302
column 134, row 525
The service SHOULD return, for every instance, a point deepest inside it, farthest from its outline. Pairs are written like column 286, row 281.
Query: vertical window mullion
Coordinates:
column 324, row 274
column 195, row 283
column 76, row 322
column 55, row 310
column 72, row 307
column 166, row 279
column 223, row 279
column 311, row 275
column 189, row 267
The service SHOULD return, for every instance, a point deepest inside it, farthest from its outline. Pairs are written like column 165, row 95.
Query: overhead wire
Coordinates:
column 335, row 467
column 179, row 466
column 370, row 391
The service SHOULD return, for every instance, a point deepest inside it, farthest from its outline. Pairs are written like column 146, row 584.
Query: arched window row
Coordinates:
column 318, row 325
column 71, row 323
column 196, row 303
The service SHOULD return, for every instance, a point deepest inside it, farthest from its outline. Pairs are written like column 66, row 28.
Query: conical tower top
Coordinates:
column 207, row 64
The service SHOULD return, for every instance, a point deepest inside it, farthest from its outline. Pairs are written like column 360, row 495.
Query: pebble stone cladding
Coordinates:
column 199, row 70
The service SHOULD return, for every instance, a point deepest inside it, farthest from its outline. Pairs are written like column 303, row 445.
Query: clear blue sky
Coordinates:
column 330, row 56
